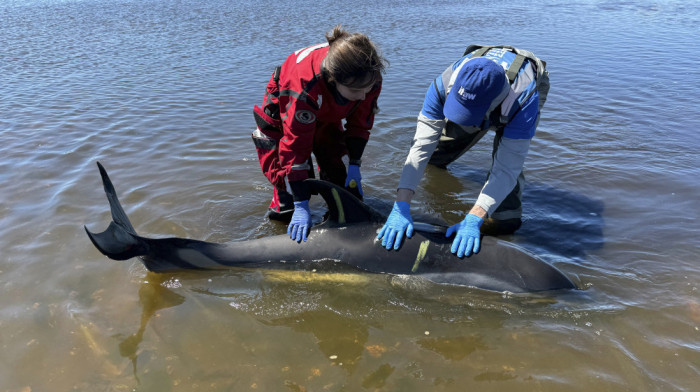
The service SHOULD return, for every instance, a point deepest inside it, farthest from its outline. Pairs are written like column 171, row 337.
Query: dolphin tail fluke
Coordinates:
column 118, row 214
column 119, row 241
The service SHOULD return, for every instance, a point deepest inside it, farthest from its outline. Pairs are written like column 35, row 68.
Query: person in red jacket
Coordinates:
column 305, row 102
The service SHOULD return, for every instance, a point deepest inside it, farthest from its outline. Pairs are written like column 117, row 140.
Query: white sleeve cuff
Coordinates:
column 486, row 202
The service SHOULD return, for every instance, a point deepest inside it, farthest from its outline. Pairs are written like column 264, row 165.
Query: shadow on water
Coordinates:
column 561, row 221
column 555, row 220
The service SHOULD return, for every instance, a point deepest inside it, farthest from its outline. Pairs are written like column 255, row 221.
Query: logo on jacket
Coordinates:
column 305, row 116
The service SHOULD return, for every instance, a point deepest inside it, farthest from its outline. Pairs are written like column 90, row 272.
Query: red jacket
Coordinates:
column 303, row 100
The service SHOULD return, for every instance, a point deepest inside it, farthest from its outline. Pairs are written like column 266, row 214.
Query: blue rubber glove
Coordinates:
column 468, row 238
column 301, row 221
column 354, row 177
column 398, row 223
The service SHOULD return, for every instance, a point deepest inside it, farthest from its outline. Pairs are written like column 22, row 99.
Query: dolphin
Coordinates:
column 347, row 236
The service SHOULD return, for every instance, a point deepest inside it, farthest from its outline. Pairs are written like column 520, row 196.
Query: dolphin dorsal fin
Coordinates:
column 343, row 207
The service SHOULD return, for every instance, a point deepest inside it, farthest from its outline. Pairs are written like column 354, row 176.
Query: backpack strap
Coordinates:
column 512, row 71
column 480, row 52
column 437, row 91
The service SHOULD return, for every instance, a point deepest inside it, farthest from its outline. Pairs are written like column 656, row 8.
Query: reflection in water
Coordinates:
column 378, row 378
column 453, row 348
column 503, row 375
column 557, row 220
column 392, row 328
column 340, row 339
column 153, row 296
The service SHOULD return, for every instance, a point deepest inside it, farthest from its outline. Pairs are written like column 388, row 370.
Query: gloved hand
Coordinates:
column 468, row 238
column 301, row 221
column 352, row 181
column 398, row 223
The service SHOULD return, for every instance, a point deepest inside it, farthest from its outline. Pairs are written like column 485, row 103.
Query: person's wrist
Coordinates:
column 403, row 206
column 302, row 203
column 474, row 219
column 404, row 194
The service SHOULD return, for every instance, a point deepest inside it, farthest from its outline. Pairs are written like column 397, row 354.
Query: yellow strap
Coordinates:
column 339, row 206
column 422, row 251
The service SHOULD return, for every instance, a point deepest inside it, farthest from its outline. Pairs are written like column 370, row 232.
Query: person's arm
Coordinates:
column 399, row 222
column 428, row 130
column 296, row 145
column 425, row 141
column 298, row 125
column 510, row 157
column 478, row 211
column 404, row 194
column 508, row 163
column 507, row 166
column 357, row 127
column 431, row 121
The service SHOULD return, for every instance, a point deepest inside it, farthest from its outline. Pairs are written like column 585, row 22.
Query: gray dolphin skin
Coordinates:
column 347, row 236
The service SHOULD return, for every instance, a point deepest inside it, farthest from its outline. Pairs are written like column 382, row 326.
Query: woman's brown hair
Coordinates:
column 352, row 59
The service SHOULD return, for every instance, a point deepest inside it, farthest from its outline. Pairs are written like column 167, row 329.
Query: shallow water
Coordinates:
column 161, row 93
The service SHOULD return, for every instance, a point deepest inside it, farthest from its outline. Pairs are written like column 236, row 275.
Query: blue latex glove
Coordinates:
column 468, row 238
column 398, row 223
column 301, row 221
column 354, row 177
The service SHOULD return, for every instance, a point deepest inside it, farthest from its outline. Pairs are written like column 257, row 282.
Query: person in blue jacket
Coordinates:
column 498, row 88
